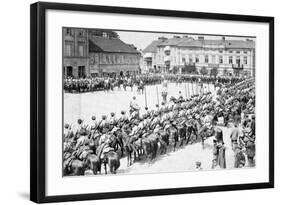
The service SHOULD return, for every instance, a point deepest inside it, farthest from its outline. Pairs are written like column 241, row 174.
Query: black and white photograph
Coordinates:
column 145, row 102
column 134, row 102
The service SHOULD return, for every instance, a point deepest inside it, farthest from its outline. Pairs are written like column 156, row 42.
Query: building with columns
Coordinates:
column 92, row 52
column 230, row 57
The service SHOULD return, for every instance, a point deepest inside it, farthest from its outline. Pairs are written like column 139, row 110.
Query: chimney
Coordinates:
column 162, row 38
column 223, row 38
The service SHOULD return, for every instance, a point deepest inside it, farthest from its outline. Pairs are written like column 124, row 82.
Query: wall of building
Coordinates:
column 113, row 62
column 76, row 46
column 178, row 56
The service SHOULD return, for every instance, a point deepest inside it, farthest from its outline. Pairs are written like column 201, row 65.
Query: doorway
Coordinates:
column 81, row 72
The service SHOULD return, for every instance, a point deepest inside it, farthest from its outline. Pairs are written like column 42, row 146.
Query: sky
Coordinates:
column 143, row 39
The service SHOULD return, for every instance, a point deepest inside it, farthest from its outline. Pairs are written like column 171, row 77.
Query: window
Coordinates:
column 67, row 50
column 92, row 60
column 237, row 51
column 67, row 31
column 69, row 71
column 81, row 71
column 230, row 51
column 206, row 59
column 183, row 60
column 81, row 33
column 238, row 60
column 81, row 50
column 213, row 59
column 190, row 59
column 230, row 60
column 220, row 51
column 245, row 60
column 197, row 59
column 245, row 52
column 220, row 60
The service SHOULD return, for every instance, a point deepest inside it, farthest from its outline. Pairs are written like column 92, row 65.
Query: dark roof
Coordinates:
column 240, row 44
column 174, row 41
column 152, row 47
column 190, row 42
column 227, row 43
column 113, row 45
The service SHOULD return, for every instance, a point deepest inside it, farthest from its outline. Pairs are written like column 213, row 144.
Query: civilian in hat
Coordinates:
column 239, row 160
column 234, row 136
column 221, row 155
column 215, row 154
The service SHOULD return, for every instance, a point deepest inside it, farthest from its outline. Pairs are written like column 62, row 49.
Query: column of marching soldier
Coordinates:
column 174, row 123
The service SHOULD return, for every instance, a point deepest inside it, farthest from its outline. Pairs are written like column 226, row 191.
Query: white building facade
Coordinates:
column 230, row 57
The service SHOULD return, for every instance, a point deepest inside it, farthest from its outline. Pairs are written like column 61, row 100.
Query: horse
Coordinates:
column 173, row 137
column 94, row 141
column 93, row 162
column 164, row 141
column 73, row 166
column 150, row 146
column 113, row 160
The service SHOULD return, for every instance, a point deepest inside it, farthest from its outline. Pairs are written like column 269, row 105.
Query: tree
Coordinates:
column 214, row 72
column 204, row 71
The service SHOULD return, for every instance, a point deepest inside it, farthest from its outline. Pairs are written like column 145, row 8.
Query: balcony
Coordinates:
column 237, row 66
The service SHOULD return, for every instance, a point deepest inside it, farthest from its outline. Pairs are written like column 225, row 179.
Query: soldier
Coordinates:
column 112, row 120
column 104, row 125
column 82, row 128
column 134, row 107
column 180, row 97
column 155, row 121
column 67, row 132
column 234, row 136
column 146, row 112
column 94, row 123
column 124, row 118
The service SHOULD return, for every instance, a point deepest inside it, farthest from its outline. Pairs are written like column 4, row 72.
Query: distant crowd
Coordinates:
column 91, row 84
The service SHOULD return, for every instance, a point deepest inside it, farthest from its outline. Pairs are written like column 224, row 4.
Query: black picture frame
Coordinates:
column 38, row 100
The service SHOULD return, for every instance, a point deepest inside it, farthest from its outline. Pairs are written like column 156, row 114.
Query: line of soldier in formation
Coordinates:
column 91, row 84
column 173, row 124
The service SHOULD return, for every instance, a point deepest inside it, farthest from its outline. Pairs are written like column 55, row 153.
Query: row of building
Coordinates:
column 177, row 53
column 89, row 52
